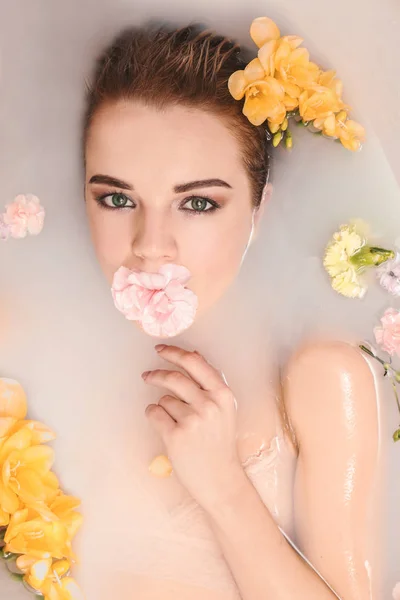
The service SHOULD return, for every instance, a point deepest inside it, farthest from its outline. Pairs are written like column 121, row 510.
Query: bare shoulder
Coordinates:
column 329, row 382
column 325, row 353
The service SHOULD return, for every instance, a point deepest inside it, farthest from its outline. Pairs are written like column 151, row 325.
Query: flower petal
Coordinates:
column 254, row 70
column 237, row 84
column 265, row 55
column 262, row 30
column 12, row 399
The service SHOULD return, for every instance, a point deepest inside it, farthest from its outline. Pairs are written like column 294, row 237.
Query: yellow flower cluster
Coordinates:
column 37, row 520
column 282, row 82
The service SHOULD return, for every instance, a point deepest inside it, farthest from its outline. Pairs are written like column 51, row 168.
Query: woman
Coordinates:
column 175, row 174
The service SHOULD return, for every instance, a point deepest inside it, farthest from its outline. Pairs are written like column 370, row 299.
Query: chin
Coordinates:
column 161, row 336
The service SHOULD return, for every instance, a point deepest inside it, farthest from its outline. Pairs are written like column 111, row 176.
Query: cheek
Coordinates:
column 111, row 237
column 214, row 258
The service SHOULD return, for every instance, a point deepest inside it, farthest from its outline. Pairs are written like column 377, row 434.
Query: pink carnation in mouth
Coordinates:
column 160, row 302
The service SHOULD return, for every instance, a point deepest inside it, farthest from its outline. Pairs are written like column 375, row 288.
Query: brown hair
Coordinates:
column 188, row 66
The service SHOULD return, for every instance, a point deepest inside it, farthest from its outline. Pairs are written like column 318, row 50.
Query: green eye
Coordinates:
column 199, row 204
column 119, row 200
column 116, row 200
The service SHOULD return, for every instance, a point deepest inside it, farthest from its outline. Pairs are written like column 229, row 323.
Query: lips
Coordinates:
column 159, row 301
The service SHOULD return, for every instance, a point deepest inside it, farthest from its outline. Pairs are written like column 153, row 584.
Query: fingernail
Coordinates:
column 145, row 373
column 160, row 347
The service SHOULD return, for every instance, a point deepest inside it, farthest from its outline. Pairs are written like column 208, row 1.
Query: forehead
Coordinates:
column 132, row 140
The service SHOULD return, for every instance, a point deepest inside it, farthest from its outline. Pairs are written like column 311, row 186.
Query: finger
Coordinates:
column 177, row 409
column 199, row 369
column 179, row 384
column 162, row 422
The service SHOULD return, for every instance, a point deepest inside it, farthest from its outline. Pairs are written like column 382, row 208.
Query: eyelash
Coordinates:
column 215, row 206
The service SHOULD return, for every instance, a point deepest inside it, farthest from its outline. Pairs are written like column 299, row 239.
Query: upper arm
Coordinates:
column 331, row 401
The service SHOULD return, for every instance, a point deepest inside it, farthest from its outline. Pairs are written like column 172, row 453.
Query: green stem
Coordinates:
column 368, row 351
column 396, row 395
column 387, row 367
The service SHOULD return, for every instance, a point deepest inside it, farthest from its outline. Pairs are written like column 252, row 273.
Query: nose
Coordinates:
column 153, row 241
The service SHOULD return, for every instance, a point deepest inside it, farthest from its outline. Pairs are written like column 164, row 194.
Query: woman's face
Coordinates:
column 168, row 187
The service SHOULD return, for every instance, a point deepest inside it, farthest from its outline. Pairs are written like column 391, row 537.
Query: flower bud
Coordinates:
column 369, row 256
column 277, row 139
column 288, row 140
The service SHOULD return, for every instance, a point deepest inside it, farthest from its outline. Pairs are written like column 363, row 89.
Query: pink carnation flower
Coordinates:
column 24, row 215
column 158, row 301
column 388, row 335
column 389, row 275
column 396, row 591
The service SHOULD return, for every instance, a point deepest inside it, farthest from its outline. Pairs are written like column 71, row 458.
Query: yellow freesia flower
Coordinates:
column 37, row 538
column 13, row 405
column 329, row 79
column 12, row 399
column 63, row 507
column 50, row 578
column 299, row 85
column 25, row 468
column 319, row 102
column 264, row 100
column 350, row 133
column 40, row 519
column 67, row 589
column 24, row 463
column 13, row 408
column 294, row 67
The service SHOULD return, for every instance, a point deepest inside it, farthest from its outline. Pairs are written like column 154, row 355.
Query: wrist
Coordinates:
column 231, row 487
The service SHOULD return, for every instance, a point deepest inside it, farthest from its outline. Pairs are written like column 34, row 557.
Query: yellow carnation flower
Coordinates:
column 349, row 284
column 347, row 256
column 345, row 280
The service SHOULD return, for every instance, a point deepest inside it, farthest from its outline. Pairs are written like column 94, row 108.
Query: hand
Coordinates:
column 197, row 423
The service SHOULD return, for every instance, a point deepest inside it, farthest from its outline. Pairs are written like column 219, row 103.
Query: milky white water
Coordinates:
column 60, row 334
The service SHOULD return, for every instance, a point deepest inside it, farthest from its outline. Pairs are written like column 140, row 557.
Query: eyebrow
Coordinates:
column 182, row 187
column 110, row 181
column 201, row 183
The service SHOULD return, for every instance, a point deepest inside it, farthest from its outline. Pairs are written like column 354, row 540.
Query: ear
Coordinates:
column 266, row 195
